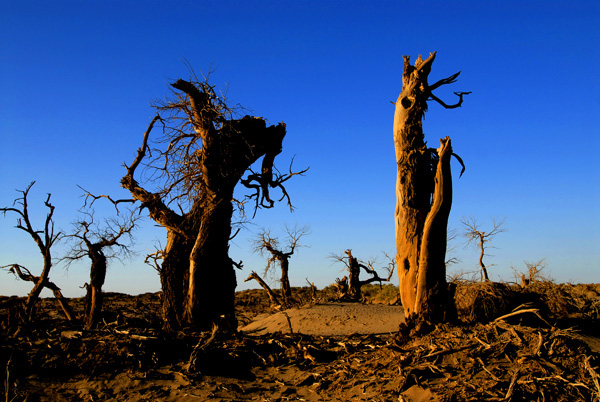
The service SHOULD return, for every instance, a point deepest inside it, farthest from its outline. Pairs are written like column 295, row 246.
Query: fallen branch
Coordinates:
column 523, row 311
column 27, row 276
column 593, row 373
column 261, row 282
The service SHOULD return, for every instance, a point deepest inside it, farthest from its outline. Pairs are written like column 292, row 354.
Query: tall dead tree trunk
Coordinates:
column 354, row 284
column 423, row 194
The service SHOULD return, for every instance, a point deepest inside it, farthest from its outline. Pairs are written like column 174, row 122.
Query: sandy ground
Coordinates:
column 329, row 351
column 330, row 319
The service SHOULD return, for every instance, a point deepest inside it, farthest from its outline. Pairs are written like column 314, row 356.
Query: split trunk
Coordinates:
column 424, row 198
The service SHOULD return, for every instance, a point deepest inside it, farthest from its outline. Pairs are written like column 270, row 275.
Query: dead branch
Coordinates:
column 593, row 374
column 456, row 105
column 272, row 296
column 262, row 182
column 25, row 275
column 87, row 195
column 153, row 258
column 519, row 311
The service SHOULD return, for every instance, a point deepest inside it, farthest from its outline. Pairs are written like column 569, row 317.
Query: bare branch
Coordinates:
column 441, row 102
column 141, row 153
column 95, row 198
column 261, row 183
column 444, row 81
column 153, row 258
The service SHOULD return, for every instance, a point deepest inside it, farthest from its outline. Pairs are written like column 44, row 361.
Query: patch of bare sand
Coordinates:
column 330, row 319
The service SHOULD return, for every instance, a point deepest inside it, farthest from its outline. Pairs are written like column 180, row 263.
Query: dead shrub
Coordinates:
column 482, row 301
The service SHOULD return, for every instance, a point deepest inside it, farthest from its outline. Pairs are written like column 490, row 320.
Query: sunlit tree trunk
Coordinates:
column 424, row 197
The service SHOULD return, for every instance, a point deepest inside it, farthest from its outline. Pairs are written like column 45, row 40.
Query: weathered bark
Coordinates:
column 424, row 197
column 212, row 282
column 173, row 278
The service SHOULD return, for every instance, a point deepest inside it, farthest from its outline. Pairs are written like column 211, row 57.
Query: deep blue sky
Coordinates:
column 76, row 80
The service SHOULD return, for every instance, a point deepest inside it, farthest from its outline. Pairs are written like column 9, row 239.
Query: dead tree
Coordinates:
column 474, row 235
column 423, row 195
column 266, row 243
column 44, row 239
column 194, row 167
column 352, row 284
column 99, row 243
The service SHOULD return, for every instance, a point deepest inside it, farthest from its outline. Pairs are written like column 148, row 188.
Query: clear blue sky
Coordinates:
column 77, row 77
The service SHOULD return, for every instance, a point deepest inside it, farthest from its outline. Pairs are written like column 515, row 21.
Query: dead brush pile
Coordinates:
column 483, row 301
column 566, row 301
column 499, row 361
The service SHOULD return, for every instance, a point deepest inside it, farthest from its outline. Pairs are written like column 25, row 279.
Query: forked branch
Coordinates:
column 441, row 102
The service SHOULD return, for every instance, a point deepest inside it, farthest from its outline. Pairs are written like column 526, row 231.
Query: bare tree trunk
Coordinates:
column 64, row 304
column 94, row 299
column 212, row 282
column 354, row 284
column 40, row 283
column 173, row 277
column 484, row 273
column 424, row 197
column 286, row 289
column 197, row 275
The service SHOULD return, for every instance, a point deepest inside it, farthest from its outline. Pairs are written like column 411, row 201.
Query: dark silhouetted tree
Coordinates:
column 265, row 243
column 44, row 239
column 100, row 243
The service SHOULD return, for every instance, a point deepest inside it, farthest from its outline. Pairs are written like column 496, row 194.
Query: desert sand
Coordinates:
column 333, row 352
column 330, row 319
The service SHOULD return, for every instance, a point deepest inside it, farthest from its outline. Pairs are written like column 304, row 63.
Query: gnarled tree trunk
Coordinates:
column 424, row 197
column 197, row 275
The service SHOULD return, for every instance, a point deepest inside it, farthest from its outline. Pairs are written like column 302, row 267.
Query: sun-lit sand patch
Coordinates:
column 330, row 319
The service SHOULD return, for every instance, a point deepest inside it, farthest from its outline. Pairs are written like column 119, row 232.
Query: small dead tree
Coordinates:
column 423, row 194
column 352, row 284
column 475, row 235
column 44, row 239
column 266, row 243
column 533, row 273
column 99, row 243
